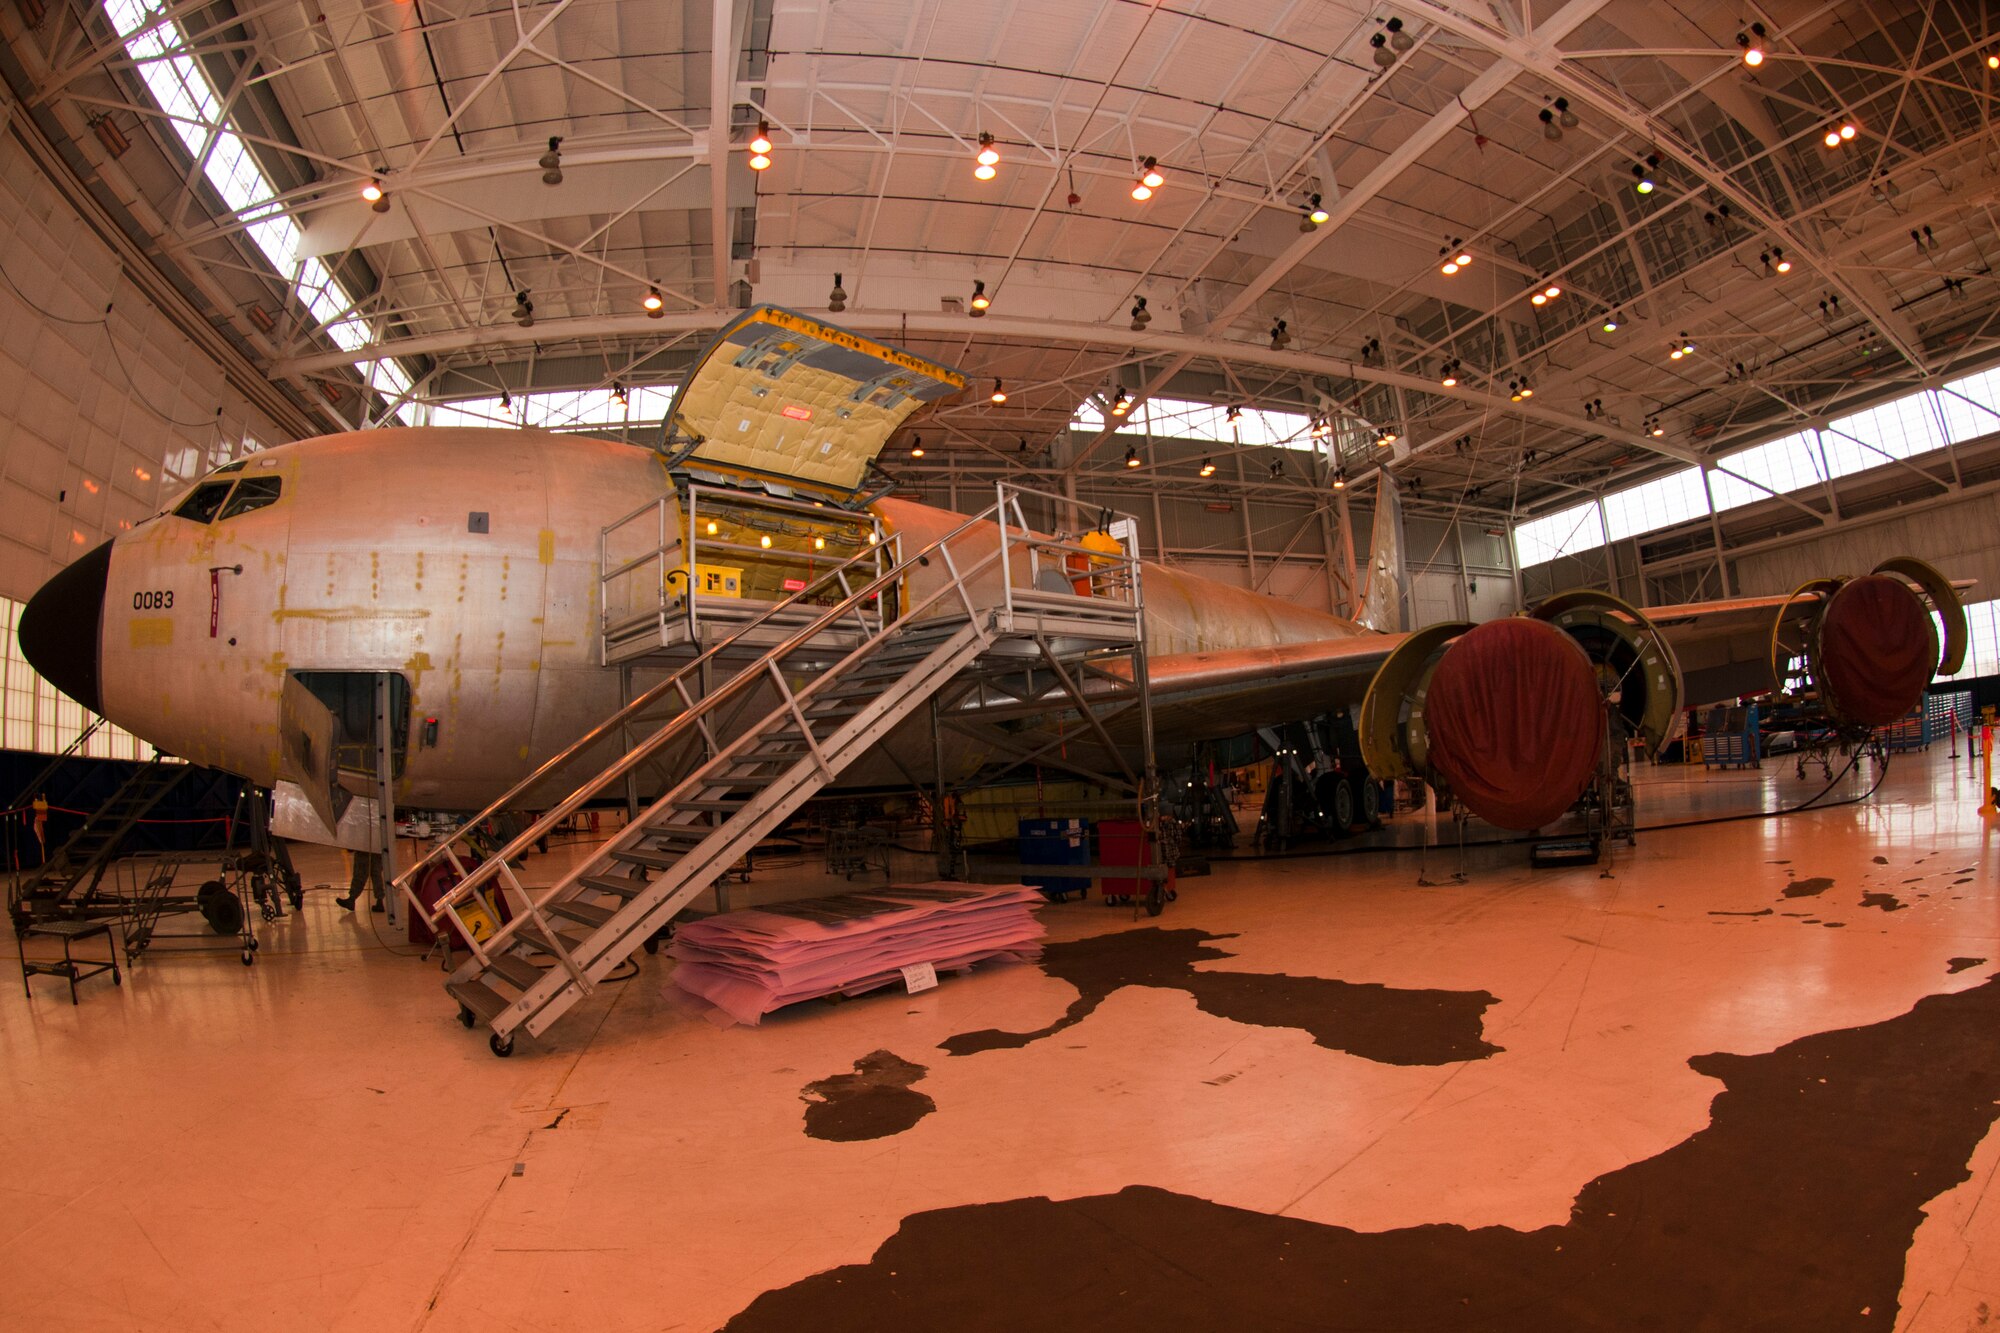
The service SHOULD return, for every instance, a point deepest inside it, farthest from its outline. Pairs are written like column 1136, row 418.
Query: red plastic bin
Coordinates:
column 1122, row 843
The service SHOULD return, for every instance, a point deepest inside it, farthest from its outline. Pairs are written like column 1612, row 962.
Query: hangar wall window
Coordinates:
column 1660, row 503
column 1982, row 651
column 1918, row 423
column 1754, row 475
column 37, row 718
column 195, row 111
column 1565, row 532
column 1970, row 406
column 1899, row 429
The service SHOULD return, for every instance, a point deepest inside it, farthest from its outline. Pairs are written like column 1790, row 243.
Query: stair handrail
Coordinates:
column 487, row 870
column 40, row 780
column 639, row 704
column 955, row 585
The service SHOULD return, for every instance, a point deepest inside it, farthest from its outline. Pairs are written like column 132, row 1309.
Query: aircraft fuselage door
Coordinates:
column 309, row 750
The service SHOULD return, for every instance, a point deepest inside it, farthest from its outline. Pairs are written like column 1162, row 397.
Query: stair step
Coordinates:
column 728, row 807
column 587, row 914
column 627, row 887
column 686, row 835
column 486, row 1003
column 515, row 970
column 570, row 943
column 757, row 768
column 655, row 860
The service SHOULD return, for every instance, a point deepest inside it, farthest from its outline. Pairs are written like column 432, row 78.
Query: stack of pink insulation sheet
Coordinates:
column 750, row 962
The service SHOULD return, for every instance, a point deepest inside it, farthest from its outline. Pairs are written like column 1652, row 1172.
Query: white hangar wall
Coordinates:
column 1958, row 534
column 102, row 414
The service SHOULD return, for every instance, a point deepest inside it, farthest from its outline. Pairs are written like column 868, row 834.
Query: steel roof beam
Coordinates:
column 1404, row 156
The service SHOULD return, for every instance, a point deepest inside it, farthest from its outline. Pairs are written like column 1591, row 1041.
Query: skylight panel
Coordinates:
column 194, row 110
column 1204, row 423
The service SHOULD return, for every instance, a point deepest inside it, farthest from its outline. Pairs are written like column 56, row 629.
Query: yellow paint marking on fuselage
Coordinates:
column 152, row 631
column 345, row 613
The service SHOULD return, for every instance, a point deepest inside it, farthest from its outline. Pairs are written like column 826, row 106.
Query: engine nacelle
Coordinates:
column 1869, row 645
column 1509, row 716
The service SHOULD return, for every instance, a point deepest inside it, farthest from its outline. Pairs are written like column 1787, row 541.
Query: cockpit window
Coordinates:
column 228, row 468
column 252, row 493
column 203, row 501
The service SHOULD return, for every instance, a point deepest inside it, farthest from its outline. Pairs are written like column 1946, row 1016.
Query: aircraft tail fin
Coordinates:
column 1386, row 606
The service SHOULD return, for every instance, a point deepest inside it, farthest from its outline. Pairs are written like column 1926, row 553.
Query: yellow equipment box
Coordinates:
column 716, row 580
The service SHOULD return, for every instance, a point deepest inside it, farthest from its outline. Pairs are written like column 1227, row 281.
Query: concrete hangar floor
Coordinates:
column 1748, row 1080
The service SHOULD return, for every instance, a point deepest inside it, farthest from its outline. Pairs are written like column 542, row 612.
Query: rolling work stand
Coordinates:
column 72, row 967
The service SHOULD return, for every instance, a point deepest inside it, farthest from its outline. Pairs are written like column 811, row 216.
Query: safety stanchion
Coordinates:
column 1987, row 807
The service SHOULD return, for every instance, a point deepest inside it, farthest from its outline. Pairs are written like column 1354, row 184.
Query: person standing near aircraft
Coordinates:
column 367, row 878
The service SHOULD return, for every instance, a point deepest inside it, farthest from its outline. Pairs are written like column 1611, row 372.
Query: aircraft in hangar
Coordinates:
column 742, row 618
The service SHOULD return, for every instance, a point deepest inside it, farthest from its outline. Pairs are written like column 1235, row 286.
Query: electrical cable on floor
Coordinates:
column 376, row 931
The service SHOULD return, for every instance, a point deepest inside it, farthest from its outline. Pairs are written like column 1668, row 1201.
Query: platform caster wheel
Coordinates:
column 501, row 1046
column 652, row 944
column 117, row 977
column 465, row 1017
column 248, row 958
column 1156, row 903
column 255, row 945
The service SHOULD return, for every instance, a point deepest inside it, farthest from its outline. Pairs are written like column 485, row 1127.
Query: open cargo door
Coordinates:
column 309, row 750
column 781, row 397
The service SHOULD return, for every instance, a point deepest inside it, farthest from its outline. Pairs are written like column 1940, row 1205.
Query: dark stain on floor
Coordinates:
column 1960, row 964
column 1792, row 1209
column 1764, row 912
column 1888, row 902
column 1881, row 860
column 1806, row 888
column 873, row 1102
column 1375, row 1022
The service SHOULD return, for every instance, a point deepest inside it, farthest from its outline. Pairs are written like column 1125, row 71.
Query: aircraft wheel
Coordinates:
column 465, row 1017
column 1338, row 799
column 222, row 910
column 1371, row 800
column 501, row 1046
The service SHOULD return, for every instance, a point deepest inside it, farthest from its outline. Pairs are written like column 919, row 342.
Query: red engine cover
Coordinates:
column 1515, row 721
column 1877, row 650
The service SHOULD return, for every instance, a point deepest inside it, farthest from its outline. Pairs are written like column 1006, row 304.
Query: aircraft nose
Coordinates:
column 62, row 623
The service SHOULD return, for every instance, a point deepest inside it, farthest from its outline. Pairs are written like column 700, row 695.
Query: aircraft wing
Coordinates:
column 1724, row 646
column 1214, row 695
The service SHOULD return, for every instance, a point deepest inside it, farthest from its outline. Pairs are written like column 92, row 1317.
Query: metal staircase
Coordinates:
column 743, row 756
column 65, row 882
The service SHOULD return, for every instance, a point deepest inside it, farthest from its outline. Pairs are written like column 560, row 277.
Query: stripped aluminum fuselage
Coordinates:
column 371, row 560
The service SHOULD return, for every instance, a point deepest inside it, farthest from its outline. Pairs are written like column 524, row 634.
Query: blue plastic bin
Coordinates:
column 1056, row 842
